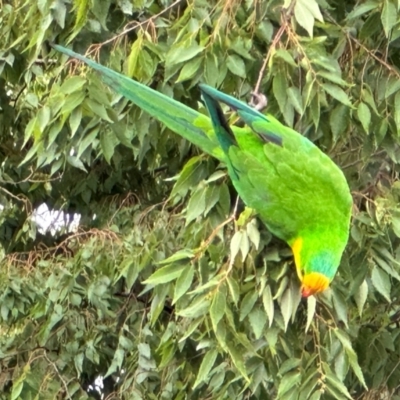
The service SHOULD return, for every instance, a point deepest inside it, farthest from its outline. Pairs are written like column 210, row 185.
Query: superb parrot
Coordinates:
column 297, row 190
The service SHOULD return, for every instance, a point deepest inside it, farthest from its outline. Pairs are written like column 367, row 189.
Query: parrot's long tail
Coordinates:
column 181, row 119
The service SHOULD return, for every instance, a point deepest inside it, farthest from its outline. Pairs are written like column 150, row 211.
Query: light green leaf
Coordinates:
column 240, row 241
column 286, row 304
column 361, row 296
column 305, row 11
column 353, row 360
column 388, row 16
column 311, row 304
column 295, row 99
column 133, row 58
column 364, row 115
column 179, row 255
column 108, row 142
column 72, row 84
column 247, row 304
column 196, row 205
column 381, row 282
column 279, row 88
column 76, row 162
column 268, row 303
column 237, row 359
column 397, row 110
column 339, row 120
column 340, row 306
column 180, row 53
column 288, row 381
column 190, row 69
column 333, row 77
column 337, row 93
column 352, row 356
column 361, row 9
column 234, row 290
column 165, row 274
column 205, row 366
column 334, row 381
column 257, row 318
column 217, row 309
column 183, row 282
column 198, row 307
column 236, row 65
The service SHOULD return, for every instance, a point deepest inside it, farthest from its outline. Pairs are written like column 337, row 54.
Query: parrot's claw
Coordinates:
column 258, row 100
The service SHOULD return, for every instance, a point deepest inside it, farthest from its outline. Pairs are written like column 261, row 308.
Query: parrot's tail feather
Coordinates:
column 249, row 115
column 181, row 119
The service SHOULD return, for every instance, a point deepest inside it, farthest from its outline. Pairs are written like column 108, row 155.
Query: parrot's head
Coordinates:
column 312, row 268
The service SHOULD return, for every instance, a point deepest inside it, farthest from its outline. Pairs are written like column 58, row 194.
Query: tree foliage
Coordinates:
column 170, row 287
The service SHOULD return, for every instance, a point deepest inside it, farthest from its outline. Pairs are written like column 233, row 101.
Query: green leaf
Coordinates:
column 133, row 58
column 72, row 84
column 397, row 110
column 190, row 69
column 295, row 99
column 196, row 205
column 236, row 65
column 257, row 319
column 340, row 306
column 352, row 356
column 253, row 233
column 179, row 255
column 388, row 16
column 205, row 367
column 279, row 88
column 288, row 381
column 180, row 53
column 361, row 9
column 217, row 309
column 364, row 115
column 337, row 93
column 333, row 77
column 339, row 120
column 183, row 282
column 268, row 303
column 311, row 304
column 286, row 304
column 237, row 359
column 234, row 290
column 247, row 304
column 305, row 11
column 76, row 162
column 333, row 381
column 381, row 282
column 361, row 296
column 238, row 242
column 165, row 274
column 353, row 360
column 108, row 142
column 197, row 308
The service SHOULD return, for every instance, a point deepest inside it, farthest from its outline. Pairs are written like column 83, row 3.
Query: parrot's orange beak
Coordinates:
column 313, row 283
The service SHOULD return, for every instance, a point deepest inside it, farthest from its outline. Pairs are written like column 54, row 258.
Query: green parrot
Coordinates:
column 297, row 190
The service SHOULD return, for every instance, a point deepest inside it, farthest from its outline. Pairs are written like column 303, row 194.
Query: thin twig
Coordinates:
column 128, row 28
column 286, row 14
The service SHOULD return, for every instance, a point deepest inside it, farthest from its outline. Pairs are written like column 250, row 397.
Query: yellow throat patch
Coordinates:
column 296, row 248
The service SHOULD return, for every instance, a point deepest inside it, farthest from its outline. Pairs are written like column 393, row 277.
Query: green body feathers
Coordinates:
column 298, row 192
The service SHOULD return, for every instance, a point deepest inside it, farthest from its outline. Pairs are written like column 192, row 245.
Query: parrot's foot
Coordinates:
column 258, row 100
